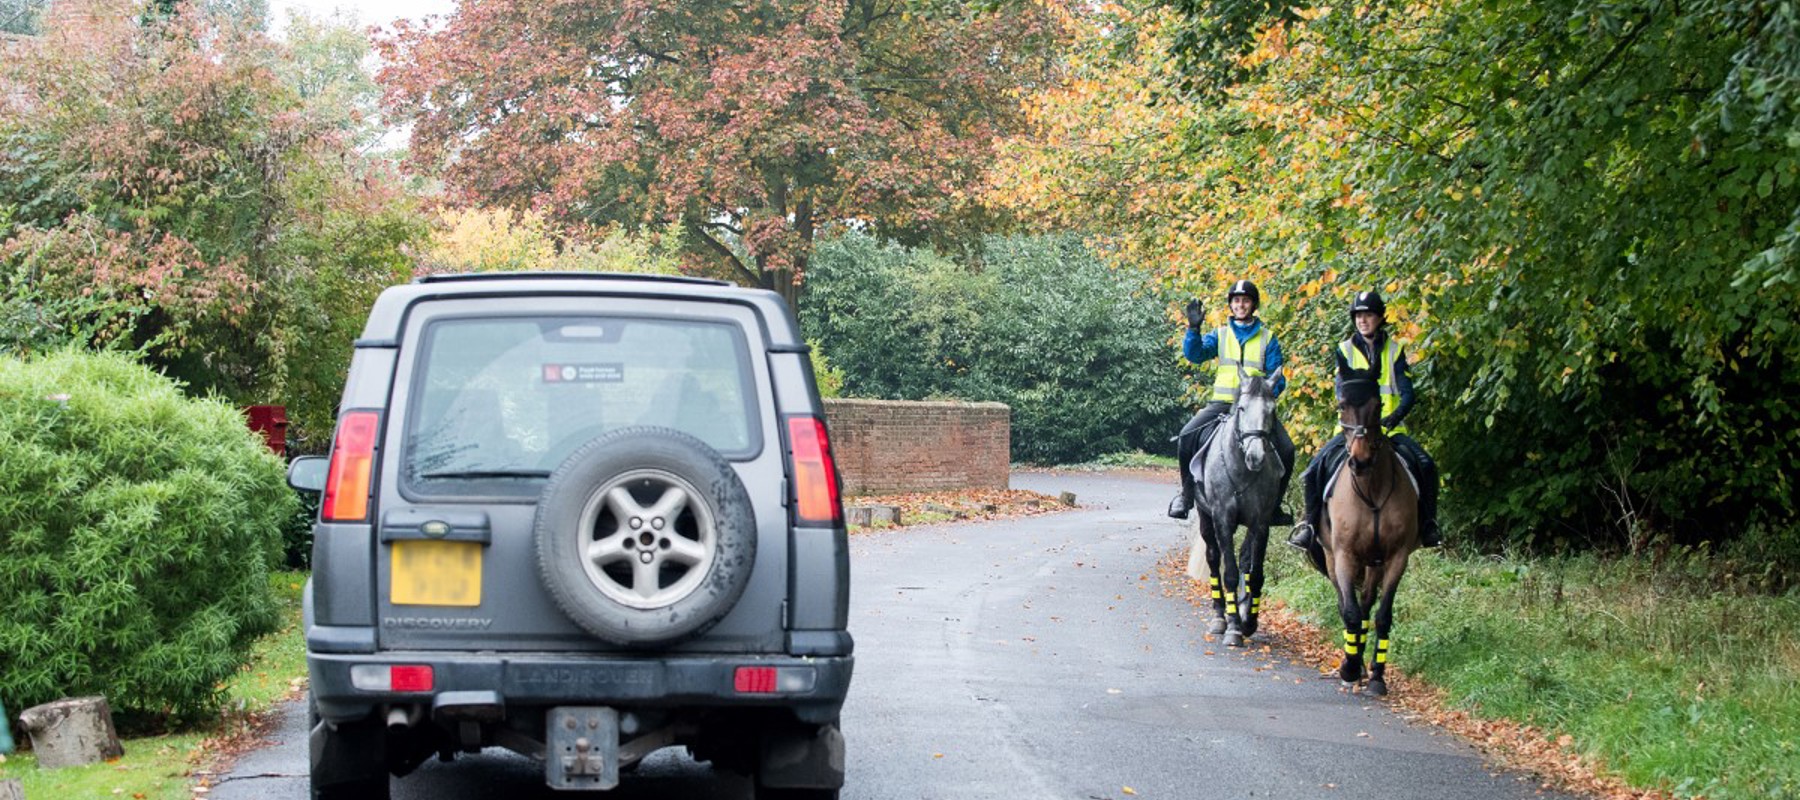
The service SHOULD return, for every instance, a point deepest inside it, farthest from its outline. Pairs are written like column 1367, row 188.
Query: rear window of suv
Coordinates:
column 497, row 403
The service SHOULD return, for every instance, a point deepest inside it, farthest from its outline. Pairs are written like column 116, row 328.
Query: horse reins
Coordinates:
column 1359, row 432
column 1237, row 407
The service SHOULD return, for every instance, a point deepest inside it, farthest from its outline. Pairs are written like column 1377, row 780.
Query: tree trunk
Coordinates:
column 786, row 287
column 71, row 732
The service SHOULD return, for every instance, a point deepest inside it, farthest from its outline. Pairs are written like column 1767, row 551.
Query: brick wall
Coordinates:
column 894, row 446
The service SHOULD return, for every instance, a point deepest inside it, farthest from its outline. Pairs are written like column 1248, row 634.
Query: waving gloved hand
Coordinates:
column 1196, row 317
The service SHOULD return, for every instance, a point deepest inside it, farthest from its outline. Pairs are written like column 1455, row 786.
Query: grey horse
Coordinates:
column 1238, row 479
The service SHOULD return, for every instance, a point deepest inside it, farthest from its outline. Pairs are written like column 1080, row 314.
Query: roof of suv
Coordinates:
column 389, row 312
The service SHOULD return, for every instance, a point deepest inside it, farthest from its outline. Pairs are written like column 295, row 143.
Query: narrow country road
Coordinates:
column 1037, row 658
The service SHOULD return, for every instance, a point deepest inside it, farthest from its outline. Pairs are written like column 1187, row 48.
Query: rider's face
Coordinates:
column 1367, row 322
column 1241, row 306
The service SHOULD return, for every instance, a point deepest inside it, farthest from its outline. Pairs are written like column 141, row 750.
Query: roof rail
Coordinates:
column 608, row 276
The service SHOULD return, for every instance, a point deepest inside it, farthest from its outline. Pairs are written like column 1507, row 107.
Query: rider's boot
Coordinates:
column 1429, row 533
column 1181, row 505
column 1184, row 499
column 1302, row 536
column 1283, row 516
column 1184, row 453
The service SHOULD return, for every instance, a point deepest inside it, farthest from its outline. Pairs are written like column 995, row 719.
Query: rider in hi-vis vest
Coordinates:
column 1370, row 348
column 1244, row 347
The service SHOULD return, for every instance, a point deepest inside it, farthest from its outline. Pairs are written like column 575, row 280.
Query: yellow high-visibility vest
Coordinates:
column 1390, row 390
column 1248, row 354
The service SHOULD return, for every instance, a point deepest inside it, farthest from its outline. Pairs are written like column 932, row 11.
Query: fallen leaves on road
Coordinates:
column 1510, row 744
column 939, row 507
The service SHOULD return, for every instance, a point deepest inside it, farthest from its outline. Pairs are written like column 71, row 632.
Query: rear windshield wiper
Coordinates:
column 488, row 473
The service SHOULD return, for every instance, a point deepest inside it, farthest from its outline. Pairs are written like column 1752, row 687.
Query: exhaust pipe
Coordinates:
column 399, row 718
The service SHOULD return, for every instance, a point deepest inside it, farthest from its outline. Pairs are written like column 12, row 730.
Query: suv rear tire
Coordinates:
column 645, row 536
column 349, row 761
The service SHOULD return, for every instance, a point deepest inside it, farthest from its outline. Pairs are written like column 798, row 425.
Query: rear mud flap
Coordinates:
column 807, row 762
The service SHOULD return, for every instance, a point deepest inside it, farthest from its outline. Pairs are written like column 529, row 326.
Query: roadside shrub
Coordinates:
column 138, row 528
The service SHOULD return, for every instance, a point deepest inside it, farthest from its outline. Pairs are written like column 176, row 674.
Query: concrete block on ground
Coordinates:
column 884, row 515
column 858, row 515
column 1068, row 498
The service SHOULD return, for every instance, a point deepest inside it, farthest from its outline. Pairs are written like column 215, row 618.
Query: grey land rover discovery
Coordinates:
column 581, row 517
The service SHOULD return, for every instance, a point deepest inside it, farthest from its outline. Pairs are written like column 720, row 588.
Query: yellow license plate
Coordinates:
column 434, row 573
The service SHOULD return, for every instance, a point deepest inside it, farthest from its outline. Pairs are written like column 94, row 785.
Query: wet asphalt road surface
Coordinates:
column 1035, row 658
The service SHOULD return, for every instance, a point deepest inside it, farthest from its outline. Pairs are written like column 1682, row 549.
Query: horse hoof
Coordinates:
column 1234, row 639
column 1350, row 673
column 1216, row 627
column 1249, row 627
column 1378, row 687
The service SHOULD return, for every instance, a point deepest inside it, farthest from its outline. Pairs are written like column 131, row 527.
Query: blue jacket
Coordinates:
column 1201, row 347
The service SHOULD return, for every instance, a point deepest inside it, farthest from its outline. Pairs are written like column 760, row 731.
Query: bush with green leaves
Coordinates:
column 1079, row 350
column 138, row 528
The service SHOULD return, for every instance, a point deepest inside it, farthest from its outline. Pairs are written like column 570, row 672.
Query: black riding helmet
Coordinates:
column 1368, row 301
column 1246, row 289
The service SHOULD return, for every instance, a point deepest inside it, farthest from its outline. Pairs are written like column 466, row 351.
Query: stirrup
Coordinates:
column 1302, row 537
column 1430, row 535
column 1180, row 506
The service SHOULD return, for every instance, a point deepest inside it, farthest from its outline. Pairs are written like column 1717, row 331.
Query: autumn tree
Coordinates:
column 1585, row 212
column 166, row 190
column 752, row 125
column 498, row 240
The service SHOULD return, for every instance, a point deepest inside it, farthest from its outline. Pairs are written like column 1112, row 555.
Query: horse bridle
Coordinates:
column 1242, row 435
column 1237, row 408
column 1360, row 432
column 1356, row 472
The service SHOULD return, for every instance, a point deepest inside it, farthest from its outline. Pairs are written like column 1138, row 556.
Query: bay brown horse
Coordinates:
column 1371, row 529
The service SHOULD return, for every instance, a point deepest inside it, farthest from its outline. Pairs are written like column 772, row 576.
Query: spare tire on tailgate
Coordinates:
column 645, row 536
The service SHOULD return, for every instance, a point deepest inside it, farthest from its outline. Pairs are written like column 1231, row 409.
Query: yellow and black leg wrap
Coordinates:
column 1216, row 594
column 1352, row 643
column 1381, row 651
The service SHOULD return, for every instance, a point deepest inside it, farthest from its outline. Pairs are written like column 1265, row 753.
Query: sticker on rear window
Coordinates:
column 584, row 373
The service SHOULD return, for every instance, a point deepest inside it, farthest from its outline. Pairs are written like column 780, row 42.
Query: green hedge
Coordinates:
column 1080, row 351
column 138, row 528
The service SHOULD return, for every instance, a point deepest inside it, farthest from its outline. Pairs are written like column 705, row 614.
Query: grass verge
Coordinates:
column 1133, row 460
column 163, row 767
column 1650, row 671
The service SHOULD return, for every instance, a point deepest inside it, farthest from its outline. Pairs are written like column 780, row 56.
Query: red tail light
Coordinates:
column 411, row 678
column 754, row 680
column 815, row 477
column 352, row 465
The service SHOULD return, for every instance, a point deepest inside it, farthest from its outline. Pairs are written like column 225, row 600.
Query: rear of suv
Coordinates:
column 583, row 518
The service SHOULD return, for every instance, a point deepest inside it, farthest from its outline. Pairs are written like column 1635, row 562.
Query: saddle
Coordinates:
column 1207, row 433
